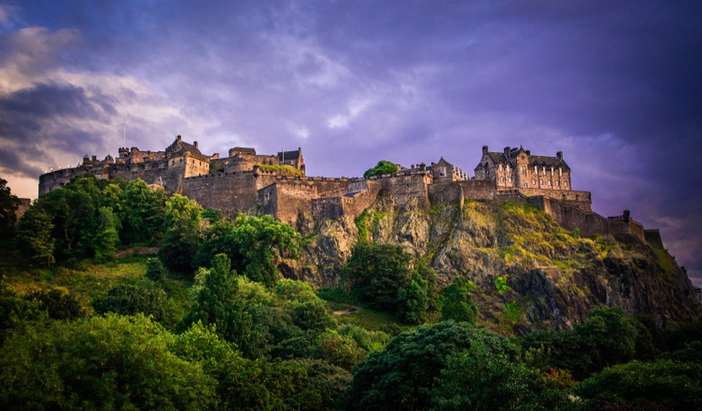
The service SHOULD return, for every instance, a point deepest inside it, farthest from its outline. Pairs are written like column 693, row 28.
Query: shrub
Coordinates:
column 484, row 379
column 155, row 271
column 406, row 372
column 660, row 384
column 59, row 305
column 456, row 302
column 130, row 299
column 110, row 362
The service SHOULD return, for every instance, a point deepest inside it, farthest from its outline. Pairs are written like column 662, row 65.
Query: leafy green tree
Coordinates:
column 110, row 362
column 59, row 304
column 142, row 213
column 660, row 384
column 8, row 210
column 130, row 299
column 376, row 273
column 340, row 350
column 383, row 167
column 107, row 237
column 34, row 236
column 405, row 373
column 182, row 218
column 456, row 301
column 607, row 337
column 155, row 270
column 413, row 300
column 254, row 244
column 484, row 379
column 309, row 312
column 17, row 312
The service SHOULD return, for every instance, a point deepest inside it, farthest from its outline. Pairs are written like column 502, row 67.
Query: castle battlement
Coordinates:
column 249, row 182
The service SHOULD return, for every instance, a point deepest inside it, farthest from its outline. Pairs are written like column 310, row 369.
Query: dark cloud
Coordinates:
column 41, row 118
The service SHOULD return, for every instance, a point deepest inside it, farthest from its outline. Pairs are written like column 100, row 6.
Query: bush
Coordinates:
column 376, row 273
column 406, row 372
column 660, row 384
column 155, row 271
column 110, row 362
column 182, row 218
column 484, row 379
column 456, row 302
column 130, row 299
column 255, row 245
column 59, row 305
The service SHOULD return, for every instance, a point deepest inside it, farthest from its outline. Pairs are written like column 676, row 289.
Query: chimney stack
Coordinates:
column 559, row 155
column 485, row 149
column 178, row 137
column 627, row 215
column 195, row 144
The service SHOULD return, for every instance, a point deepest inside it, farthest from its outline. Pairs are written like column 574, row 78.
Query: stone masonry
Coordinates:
column 248, row 182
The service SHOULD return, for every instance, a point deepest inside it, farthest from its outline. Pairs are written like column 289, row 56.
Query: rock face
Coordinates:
column 555, row 276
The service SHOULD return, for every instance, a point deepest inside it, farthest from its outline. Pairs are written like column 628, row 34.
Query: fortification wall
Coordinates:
column 293, row 198
column 478, row 189
column 580, row 199
column 625, row 225
column 231, row 193
column 572, row 217
column 446, row 193
column 404, row 188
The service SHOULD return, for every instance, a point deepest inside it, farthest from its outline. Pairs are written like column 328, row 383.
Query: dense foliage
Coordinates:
column 382, row 168
column 212, row 324
column 380, row 275
column 8, row 208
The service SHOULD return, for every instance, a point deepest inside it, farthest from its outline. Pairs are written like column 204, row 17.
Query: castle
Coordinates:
column 277, row 185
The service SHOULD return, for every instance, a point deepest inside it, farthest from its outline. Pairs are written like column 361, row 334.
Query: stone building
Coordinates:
column 248, row 182
column 517, row 168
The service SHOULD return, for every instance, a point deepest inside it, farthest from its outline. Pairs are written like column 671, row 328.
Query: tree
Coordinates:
column 130, row 299
column 107, row 237
column 182, row 219
column 607, row 337
column 660, row 384
column 254, row 244
column 155, row 271
column 143, row 213
column 456, row 302
column 110, row 362
column 59, row 304
column 376, row 273
column 8, row 210
column 34, row 236
column 405, row 373
column 484, row 379
column 382, row 168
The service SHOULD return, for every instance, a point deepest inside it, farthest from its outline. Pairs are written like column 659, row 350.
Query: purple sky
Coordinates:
column 617, row 86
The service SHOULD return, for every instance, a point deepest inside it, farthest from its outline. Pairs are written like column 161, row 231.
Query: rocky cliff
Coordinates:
column 555, row 276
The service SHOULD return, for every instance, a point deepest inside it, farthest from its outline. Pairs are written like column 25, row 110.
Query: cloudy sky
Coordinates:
column 617, row 86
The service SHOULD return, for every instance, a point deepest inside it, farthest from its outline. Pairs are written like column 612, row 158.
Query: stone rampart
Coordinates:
column 231, row 193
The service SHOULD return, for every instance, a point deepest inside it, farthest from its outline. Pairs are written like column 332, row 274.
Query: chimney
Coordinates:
column 94, row 158
column 626, row 215
column 559, row 155
column 178, row 138
column 195, row 144
column 485, row 149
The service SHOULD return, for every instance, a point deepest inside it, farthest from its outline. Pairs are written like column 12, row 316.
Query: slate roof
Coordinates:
column 180, row 146
column 289, row 155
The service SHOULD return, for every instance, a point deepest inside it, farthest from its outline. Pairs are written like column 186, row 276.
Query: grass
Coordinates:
column 281, row 169
column 88, row 280
column 347, row 310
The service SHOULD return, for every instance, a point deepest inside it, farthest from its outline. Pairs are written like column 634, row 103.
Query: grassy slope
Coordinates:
column 89, row 280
